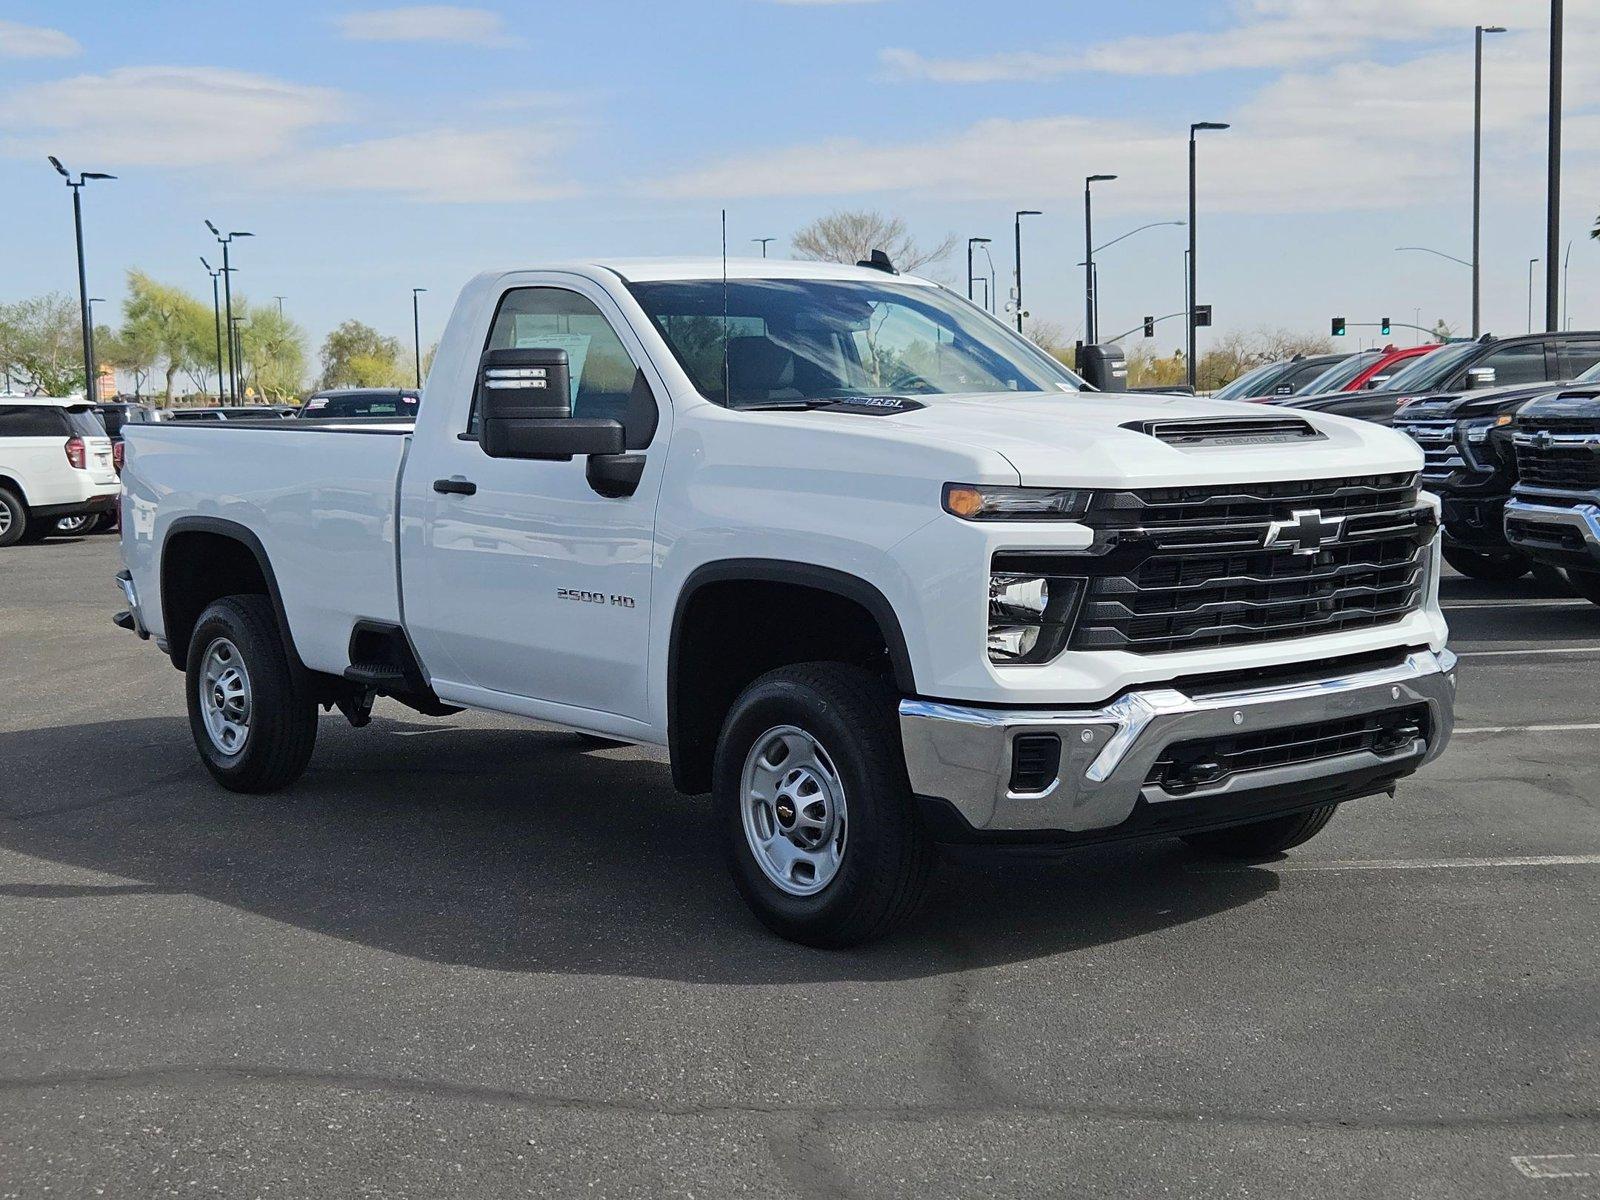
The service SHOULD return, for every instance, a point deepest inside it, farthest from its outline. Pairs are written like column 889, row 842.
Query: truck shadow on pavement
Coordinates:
column 517, row 851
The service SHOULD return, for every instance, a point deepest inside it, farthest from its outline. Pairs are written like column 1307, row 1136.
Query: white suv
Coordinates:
column 55, row 461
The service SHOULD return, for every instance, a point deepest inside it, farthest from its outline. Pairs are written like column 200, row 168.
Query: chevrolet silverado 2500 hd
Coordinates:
column 876, row 571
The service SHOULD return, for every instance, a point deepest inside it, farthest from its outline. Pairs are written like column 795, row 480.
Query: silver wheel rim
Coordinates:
column 224, row 688
column 793, row 806
column 5, row 519
column 69, row 524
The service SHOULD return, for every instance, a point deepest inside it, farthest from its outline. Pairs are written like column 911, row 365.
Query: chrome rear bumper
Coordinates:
column 963, row 754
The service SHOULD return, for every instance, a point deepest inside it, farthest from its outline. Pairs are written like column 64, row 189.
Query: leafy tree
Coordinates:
column 357, row 355
column 1595, row 232
column 130, row 355
column 1147, row 368
column 166, row 322
column 851, row 235
column 41, row 345
column 273, row 353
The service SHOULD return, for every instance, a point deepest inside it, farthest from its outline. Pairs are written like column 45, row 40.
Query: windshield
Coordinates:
column 361, row 404
column 1337, row 376
column 1240, row 387
column 1430, row 370
column 801, row 341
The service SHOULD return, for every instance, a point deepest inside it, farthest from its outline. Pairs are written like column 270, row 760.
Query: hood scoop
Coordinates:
column 1228, row 431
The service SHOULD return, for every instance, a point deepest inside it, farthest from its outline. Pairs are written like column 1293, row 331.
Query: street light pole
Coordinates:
column 1477, row 168
column 279, row 299
column 1532, row 262
column 216, row 315
column 1189, row 364
column 763, row 242
column 236, row 349
column 227, row 297
column 971, row 242
column 83, row 275
column 416, row 331
column 1091, row 296
column 1552, row 243
column 92, row 393
column 1021, row 212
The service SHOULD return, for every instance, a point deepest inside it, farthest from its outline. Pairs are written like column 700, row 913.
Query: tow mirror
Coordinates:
column 525, row 409
column 1376, row 382
column 1480, row 377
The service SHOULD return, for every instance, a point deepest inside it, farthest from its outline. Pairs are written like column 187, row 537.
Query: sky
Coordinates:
column 376, row 149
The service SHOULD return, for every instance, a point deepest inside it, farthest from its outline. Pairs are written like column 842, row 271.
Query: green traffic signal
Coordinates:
column 1383, row 327
column 1338, row 327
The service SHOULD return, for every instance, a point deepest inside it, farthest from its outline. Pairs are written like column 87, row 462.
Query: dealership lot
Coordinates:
column 465, row 956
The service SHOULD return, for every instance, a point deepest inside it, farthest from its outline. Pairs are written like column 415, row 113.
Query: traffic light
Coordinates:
column 1338, row 327
column 1383, row 326
column 1149, row 327
column 1202, row 316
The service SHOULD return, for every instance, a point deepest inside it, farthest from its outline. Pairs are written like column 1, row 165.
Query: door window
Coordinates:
column 544, row 318
column 31, row 420
column 1522, row 363
column 1578, row 355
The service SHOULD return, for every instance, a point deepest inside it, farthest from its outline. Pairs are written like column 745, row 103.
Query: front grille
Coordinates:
column 1208, row 762
column 1563, row 466
column 1438, row 441
column 1192, row 568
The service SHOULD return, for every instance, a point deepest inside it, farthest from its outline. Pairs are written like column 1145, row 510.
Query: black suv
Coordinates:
column 1554, row 512
column 1525, row 360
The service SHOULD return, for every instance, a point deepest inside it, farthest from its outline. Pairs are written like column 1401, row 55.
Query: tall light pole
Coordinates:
column 236, row 349
column 280, row 300
column 83, row 276
column 1477, row 168
column 227, row 297
column 92, row 392
column 1091, row 298
column 1532, row 262
column 1021, row 212
column 216, row 315
column 989, row 293
column 971, row 242
column 1189, row 363
column 1552, row 237
column 763, row 242
column 416, row 332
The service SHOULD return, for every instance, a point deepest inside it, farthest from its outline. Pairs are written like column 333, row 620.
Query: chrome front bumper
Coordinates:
column 1584, row 518
column 962, row 754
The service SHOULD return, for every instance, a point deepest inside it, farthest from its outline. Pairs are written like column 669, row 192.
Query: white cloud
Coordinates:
column 35, row 41
column 166, row 116
column 426, row 23
column 1264, row 35
column 448, row 166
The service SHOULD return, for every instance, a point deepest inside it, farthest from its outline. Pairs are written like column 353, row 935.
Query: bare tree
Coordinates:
column 851, row 235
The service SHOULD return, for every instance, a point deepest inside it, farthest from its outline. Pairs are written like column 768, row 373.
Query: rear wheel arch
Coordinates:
column 204, row 559
column 14, row 485
column 773, row 613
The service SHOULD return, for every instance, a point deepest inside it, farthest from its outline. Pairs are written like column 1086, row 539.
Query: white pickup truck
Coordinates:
column 878, row 572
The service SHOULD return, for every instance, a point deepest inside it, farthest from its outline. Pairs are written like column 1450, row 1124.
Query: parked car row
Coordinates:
column 56, row 461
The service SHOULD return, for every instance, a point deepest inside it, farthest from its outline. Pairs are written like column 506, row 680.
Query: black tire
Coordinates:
column 76, row 526
column 1263, row 839
column 282, row 724
column 1585, row 583
column 883, row 871
column 1489, row 566
column 16, row 514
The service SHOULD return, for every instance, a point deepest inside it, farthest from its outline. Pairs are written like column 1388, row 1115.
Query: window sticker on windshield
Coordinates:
column 317, row 403
column 530, row 337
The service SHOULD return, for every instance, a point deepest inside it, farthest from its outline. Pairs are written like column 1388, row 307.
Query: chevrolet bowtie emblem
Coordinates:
column 1307, row 531
column 1544, row 439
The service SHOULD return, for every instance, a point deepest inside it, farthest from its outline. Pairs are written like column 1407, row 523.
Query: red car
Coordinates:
column 1369, row 369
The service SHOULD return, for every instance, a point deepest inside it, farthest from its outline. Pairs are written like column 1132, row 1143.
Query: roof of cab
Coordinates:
column 649, row 270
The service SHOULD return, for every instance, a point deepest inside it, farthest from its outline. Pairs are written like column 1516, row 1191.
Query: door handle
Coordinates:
column 455, row 486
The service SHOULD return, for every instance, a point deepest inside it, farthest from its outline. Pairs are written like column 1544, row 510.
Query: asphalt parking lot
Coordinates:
column 467, row 957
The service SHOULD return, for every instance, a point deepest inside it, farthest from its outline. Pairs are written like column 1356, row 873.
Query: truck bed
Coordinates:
column 320, row 500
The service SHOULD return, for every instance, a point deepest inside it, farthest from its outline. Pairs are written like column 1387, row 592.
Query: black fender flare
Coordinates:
column 247, row 538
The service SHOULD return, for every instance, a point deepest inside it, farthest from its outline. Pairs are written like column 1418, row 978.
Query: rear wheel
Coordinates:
column 1506, row 566
column 13, row 518
column 71, row 526
column 1263, row 839
column 253, row 718
column 814, row 809
column 1585, row 583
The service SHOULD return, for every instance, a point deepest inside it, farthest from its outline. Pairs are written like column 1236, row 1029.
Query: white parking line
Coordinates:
column 1595, row 649
column 1527, row 728
column 1557, row 1166
column 1466, row 604
column 1425, row 864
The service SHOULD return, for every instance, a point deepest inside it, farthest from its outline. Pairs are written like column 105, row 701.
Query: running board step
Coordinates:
column 375, row 675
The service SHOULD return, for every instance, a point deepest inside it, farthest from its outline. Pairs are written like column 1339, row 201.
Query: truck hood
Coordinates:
column 1456, row 406
column 1095, row 440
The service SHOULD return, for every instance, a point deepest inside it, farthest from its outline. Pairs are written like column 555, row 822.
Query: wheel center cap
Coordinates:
column 785, row 812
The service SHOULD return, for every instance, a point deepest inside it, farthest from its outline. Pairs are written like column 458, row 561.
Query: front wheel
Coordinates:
column 1263, row 839
column 1506, row 566
column 813, row 806
column 13, row 517
column 1585, row 583
column 252, row 717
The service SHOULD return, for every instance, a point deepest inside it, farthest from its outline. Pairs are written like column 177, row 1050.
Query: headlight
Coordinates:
column 1477, row 430
column 982, row 502
column 1030, row 612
